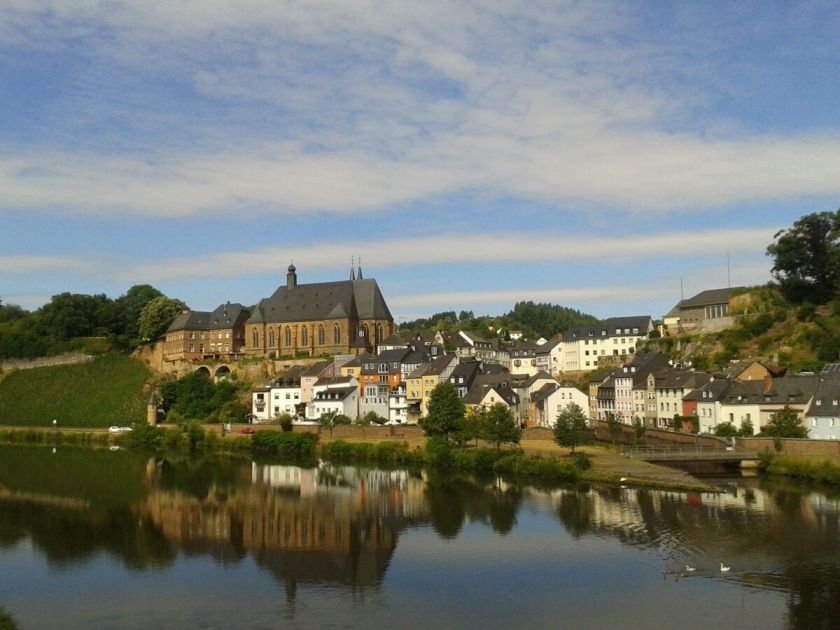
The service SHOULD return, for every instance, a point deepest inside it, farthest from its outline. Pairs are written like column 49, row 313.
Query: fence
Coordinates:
column 63, row 359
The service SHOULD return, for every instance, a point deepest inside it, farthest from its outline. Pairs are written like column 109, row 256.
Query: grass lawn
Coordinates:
column 107, row 391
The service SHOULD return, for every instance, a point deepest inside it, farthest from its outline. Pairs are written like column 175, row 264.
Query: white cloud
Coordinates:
column 375, row 104
column 37, row 265
column 459, row 249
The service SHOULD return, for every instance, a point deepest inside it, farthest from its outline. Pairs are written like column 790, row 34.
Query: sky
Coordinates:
column 604, row 156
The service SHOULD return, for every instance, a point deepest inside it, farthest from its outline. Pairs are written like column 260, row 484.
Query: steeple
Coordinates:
column 352, row 270
column 360, row 269
column 291, row 277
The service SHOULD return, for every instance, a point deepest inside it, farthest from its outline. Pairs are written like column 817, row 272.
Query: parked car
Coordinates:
column 116, row 429
column 248, row 430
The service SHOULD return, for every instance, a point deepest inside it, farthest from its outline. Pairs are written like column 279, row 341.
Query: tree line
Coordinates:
column 533, row 319
column 69, row 320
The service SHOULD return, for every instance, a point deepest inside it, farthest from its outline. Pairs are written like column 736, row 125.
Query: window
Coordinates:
column 813, row 422
column 288, row 336
column 270, row 337
column 321, row 336
column 731, row 417
column 304, row 336
column 336, row 334
column 255, row 338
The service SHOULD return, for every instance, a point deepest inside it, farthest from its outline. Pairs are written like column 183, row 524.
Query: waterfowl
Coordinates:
column 723, row 568
column 690, row 568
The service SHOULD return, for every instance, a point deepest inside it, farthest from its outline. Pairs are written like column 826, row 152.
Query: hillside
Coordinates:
column 798, row 337
column 107, row 391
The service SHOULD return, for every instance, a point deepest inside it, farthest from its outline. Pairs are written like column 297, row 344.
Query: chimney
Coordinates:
column 291, row 278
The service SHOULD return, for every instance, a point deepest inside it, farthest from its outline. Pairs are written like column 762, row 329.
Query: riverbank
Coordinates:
column 536, row 458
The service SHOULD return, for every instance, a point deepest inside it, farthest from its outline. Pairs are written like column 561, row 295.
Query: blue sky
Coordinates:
column 473, row 154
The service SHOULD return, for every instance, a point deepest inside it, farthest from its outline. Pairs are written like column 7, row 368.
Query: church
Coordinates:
column 342, row 317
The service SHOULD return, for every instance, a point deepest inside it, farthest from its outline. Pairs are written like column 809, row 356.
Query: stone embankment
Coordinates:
column 62, row 359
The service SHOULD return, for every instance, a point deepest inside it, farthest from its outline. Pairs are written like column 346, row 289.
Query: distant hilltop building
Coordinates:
column 707, row 311
column 342, row 317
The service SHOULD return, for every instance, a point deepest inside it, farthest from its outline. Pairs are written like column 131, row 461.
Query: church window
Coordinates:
column 304, row 336
column 321, row 336
column 336, row 334
column 378, row 333
column 255, row 338
column 288, row 336
column 270, row 337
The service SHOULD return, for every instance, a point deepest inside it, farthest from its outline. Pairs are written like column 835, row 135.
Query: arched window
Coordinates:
column 336, row 334
column 378, row 333
column 288, row 336
column 270, row 337
column 321, row 339
column 367, row 332
column 255, row 338
column 304, row 336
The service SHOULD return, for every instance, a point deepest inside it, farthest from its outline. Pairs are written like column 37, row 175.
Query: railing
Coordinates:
column 686, row 451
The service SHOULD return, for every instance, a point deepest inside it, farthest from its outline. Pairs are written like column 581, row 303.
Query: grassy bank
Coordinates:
column 107, row 391
column 820, row 471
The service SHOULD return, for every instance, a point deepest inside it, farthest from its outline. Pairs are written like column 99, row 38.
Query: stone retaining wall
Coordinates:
column 790, row 446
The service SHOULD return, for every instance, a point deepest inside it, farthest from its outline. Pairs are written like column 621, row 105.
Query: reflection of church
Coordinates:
column 302, row 525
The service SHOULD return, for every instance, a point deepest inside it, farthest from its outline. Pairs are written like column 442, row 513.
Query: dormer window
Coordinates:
column 635, row 331
column 590, row 333
column 819, row 402
column 618, row 331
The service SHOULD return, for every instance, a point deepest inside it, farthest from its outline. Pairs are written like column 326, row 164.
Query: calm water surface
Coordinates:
column 99, row 539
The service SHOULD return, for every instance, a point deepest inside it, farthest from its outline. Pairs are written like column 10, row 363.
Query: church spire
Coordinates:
column 352, row 270
column 360, row 268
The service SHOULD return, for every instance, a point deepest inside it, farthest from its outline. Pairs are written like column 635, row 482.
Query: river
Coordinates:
column 100, row 539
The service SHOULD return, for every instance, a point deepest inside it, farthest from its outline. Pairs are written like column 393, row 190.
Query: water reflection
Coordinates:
column 340, row 526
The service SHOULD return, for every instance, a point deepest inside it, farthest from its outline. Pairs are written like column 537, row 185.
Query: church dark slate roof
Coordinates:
column 355, row 299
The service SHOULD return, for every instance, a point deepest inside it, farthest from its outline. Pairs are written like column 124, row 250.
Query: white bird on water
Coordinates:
column 622, row 480
column 723, row 568
column 690, row 568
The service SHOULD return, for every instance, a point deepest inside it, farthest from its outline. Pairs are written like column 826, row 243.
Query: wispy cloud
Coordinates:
column 369, row 105
column 459, row 249
column 35, row 264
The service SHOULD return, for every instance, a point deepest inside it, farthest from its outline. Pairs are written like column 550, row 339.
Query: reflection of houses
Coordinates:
column 304, row 525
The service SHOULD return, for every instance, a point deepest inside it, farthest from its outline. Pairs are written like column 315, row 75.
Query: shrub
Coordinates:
column 298, row 446
column 582, row 461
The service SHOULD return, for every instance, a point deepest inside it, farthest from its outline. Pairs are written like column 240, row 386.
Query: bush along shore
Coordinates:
column 305, row 449
column 819, row 471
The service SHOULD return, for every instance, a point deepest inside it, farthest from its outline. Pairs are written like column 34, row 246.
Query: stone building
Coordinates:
column 197, row 335
column 343, row 317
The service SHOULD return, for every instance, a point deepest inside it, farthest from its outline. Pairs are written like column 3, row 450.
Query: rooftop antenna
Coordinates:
column 728, row 272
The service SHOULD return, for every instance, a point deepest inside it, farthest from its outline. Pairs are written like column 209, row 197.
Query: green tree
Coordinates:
column 613, row 427
column 806, row 258
column 156, row 317
column 747, row 429
column 496, row 424
column 571, row 428
column 364, row 421
column 472, row 428
column 639, row 429
column 726, row 430
column 445, row 416
column 128, row 308
column 785, row 424
column 327, row 420
column 679, row 422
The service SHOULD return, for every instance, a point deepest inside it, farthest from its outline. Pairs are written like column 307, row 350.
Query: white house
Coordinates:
column 551, row 399
column 823, row 416
column 340, row 400
column 583, row 347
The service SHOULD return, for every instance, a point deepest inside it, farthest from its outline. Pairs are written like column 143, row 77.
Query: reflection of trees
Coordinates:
column 814, row 600
column 575, row 512
column 67, row 536
column 454, row 499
